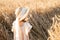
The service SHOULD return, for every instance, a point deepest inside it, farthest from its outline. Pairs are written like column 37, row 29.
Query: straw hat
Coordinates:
column 21, row 13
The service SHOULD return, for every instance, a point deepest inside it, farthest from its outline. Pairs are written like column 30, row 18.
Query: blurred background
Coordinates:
column 44, row 17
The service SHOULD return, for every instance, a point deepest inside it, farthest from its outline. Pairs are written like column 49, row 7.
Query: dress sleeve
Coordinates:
column 13, row 26
column 28, row 27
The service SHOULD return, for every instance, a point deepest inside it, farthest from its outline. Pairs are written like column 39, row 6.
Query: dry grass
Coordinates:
column 46, row 25
column 44, row 17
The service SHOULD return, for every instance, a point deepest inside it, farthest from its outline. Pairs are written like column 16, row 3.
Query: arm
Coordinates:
column 28, row 27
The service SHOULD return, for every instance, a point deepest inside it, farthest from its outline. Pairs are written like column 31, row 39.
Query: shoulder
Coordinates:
column 27, row 24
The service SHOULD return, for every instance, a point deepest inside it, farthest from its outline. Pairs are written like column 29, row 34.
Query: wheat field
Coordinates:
column 45, row 18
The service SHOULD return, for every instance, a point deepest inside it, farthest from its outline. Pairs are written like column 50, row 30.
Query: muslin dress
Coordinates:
column 25, row 29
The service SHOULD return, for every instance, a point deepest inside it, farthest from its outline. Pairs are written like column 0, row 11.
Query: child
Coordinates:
column 21, row 27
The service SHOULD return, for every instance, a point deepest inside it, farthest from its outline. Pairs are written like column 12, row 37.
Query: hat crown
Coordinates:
column 21, row 13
